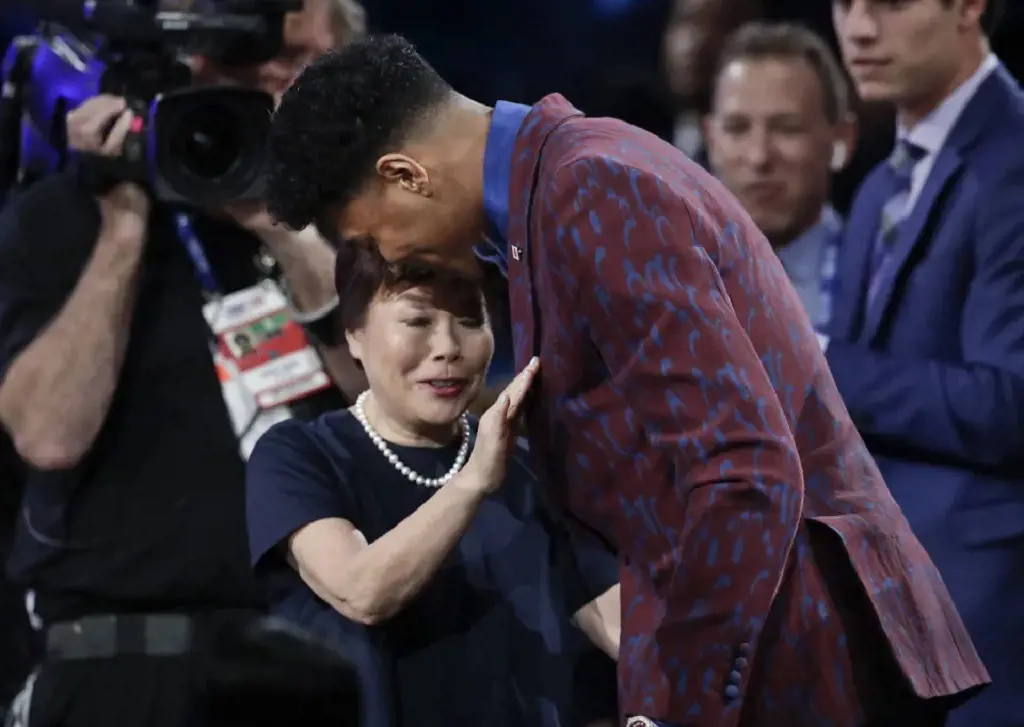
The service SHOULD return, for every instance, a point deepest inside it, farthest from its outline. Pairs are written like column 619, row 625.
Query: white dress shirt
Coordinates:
column 931, row 132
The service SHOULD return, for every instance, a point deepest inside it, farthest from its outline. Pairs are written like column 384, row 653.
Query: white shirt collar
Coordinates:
column 931, row 132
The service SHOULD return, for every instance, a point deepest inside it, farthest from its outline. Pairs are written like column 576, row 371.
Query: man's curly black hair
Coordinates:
column 343, row 112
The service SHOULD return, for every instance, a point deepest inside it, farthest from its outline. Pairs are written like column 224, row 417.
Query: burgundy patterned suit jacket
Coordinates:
column 686, row 406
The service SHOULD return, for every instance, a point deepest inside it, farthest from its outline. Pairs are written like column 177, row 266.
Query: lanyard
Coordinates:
column 212, row 292
column 194, row 248
column 832, row 225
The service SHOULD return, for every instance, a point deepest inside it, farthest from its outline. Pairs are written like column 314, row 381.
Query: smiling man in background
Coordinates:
column 780, row 126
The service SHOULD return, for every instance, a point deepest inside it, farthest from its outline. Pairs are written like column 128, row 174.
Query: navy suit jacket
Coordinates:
column 933, row 374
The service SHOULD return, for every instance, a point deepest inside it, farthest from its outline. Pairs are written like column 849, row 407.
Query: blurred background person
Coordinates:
column 693, row 40
column 268, row 673
column 779, row 127
column 927, row 334
column 131, row 527
column 394, row 530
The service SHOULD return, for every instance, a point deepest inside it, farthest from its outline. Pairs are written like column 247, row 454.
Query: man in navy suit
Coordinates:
column 927, row 337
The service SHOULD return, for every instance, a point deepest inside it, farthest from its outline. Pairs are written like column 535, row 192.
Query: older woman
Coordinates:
column 415, row 538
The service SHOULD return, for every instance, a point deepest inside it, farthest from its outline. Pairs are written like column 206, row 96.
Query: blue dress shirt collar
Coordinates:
column 501, row 139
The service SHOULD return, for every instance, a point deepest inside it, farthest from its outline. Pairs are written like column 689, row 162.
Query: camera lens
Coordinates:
column 208, row 143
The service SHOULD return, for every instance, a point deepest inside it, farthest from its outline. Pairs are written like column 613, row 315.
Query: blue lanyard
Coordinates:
column 829, row 257
column 194, row 248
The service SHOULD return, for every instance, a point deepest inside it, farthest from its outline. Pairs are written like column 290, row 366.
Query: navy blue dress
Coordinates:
column 488, row 641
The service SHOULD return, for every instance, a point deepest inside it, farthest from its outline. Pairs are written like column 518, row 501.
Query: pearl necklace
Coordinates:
column 460, row 459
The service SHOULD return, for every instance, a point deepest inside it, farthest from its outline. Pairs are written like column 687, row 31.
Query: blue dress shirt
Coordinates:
column 501, row 140
column 810, row 263
column 505, row 122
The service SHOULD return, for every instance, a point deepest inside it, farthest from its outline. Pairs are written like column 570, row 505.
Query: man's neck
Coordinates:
column 458, row 143
column 912, row 112
column 784, row 238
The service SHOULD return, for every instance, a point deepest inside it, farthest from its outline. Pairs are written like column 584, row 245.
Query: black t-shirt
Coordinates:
column 152, row 518
column 489, row 639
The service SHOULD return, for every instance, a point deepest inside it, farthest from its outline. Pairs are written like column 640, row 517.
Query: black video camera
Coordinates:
column 190, row 145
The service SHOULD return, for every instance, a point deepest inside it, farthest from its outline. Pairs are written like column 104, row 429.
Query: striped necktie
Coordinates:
column 901, row 165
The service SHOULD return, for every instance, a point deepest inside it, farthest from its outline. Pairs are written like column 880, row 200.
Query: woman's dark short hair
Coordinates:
column 360, row 274
column 345, row 111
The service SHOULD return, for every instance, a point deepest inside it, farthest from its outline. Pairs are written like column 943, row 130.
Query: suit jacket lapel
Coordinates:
column 854, row 254
column 545, row 117
column 911, row 235
column 992, row 96
column 520, row 283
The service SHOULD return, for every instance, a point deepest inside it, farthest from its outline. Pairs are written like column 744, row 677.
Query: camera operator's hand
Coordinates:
column 99, row 126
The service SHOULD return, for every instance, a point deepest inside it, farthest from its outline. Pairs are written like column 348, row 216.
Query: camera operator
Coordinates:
column 121, row 397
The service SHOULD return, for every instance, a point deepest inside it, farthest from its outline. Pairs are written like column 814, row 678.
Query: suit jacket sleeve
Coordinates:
column 683, row 364
column 968, row 411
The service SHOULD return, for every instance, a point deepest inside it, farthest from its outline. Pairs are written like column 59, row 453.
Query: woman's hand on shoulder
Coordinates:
column 496, row 434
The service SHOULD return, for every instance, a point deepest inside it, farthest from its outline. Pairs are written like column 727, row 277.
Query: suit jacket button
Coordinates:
column 735, row 677
column 732, row 692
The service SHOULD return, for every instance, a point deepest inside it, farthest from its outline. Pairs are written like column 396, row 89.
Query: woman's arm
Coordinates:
column 294, row 498
column 601, row 621
column 371, row 583
column 588, row 573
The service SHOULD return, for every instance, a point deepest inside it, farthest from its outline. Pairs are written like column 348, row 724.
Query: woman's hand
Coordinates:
column 485, row 470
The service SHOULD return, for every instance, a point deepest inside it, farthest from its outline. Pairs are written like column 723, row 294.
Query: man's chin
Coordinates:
column 778, row 234
column 464, row 267
column 470, row 268
column 771, row 225
column 877, row 92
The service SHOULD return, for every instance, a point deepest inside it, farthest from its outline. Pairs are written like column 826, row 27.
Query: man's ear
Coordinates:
column 707, row 127
column 971, row 13
column 845, row 144
column 406, row 172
